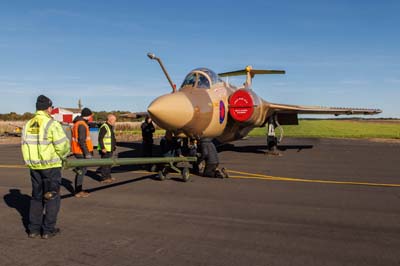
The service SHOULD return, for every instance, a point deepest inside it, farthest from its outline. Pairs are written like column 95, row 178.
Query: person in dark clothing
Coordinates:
column 107, row 146
column 192, row 152
column 192, row 148
column 210, row 155
column 168, row 145
column 147, row 136
column 82, row 148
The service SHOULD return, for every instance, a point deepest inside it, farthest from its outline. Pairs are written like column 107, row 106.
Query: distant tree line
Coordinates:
column 16, row 117
column 97, row 116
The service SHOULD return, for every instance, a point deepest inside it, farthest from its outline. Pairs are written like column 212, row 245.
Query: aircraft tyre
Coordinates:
column 185, row 174
column 272, row 143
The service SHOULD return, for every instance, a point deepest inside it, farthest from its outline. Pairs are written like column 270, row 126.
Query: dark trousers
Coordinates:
column 43, row 213
column 80, row 173
column 106, row 170
column 209, row 169
column 147, row 149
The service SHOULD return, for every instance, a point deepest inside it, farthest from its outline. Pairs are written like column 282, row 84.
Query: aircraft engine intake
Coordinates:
column 245, row 107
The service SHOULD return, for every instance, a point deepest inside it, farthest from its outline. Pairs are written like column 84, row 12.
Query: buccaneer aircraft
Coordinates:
column 207, row 106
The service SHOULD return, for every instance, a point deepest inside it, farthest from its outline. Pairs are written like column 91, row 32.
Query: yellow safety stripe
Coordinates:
column 245, row 175
column 42, row 162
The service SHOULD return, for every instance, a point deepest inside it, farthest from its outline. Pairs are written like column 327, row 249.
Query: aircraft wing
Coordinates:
column 300, row 109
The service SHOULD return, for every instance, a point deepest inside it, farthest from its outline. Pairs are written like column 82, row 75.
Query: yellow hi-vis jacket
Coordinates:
column 106, row 139
column 43, row 142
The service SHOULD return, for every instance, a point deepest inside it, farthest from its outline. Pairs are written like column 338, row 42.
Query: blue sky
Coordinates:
column 336, row 53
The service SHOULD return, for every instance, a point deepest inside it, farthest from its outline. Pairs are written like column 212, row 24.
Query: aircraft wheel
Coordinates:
column 162, row 175
column 272, row 143
column 185, row 174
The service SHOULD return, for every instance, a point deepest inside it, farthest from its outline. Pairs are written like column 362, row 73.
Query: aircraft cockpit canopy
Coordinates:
column 201, row 78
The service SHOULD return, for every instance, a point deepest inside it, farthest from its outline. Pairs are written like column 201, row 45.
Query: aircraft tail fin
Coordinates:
column 251, row 71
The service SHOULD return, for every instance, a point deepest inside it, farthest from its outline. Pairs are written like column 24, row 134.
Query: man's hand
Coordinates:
column 104, row 151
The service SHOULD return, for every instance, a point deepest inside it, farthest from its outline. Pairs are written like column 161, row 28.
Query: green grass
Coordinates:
column 339, row 129
column 139, row 132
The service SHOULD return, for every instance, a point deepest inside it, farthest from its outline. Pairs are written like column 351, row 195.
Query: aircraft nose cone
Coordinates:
column 171, row 111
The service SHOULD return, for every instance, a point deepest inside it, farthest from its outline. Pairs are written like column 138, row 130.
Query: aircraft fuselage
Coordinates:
column 201, row 109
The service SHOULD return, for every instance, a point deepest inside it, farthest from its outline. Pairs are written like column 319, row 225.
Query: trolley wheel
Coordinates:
column 162, row 174
column 185, row 174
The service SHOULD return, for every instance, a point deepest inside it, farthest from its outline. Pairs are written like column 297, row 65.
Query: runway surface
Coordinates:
column 323, row 202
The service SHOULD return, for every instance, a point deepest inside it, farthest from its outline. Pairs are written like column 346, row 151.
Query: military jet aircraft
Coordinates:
column 207, row 106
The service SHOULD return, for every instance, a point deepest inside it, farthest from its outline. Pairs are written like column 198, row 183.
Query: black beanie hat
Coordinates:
column 86, row 112
column 42, row 102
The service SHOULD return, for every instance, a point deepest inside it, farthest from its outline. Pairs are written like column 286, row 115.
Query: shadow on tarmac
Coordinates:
column 21, row 203
column 294, row 147
column 91, row 190
column 260, row 149
column 67, row 184
column 135, row 150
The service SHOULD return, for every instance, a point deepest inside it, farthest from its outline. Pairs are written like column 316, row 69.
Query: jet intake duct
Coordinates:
column 244, row 106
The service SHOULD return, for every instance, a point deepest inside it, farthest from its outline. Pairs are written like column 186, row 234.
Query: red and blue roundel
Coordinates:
column 222, row 112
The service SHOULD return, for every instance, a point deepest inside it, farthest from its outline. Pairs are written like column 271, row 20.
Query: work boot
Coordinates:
column 82, row 194
column 34, row 235
column 224, row 172
column 218, row 173
column 106, row 181
column 51, row 234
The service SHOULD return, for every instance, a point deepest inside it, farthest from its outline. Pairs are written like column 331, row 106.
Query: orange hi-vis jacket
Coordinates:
column 75, row 147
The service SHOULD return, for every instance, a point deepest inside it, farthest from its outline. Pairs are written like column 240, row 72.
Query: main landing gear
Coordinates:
column 272, row 140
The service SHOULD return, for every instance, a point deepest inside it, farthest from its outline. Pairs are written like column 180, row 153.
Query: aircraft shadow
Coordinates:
column 135, row 150
column 260, row 149
column 294, row 147
column 21, row 202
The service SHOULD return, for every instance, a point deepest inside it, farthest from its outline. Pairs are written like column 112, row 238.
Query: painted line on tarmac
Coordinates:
column 245, row 175
column 12, row 166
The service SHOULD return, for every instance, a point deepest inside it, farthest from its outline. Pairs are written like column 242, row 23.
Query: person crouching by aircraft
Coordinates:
column 210, row 155
column 167, row 145
column 107, row 145
column 44, row 145
column 82, row 148
column 147, row 136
